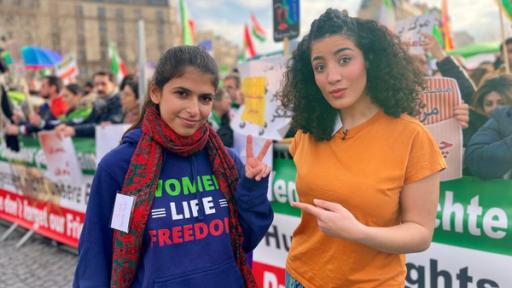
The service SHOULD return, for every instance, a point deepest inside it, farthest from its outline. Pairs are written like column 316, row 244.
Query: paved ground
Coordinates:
column 38, row 263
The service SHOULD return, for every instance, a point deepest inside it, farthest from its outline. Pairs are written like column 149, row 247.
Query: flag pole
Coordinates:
column 504, row 47
column 285, row 46
column 141, row 57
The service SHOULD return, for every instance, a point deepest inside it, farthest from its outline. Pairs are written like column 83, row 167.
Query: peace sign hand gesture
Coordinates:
column 254, row 167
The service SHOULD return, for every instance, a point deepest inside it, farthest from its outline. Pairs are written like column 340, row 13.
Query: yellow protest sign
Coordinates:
column 253, row 89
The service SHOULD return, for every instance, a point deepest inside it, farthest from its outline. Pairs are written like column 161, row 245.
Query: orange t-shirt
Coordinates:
column 365, row 173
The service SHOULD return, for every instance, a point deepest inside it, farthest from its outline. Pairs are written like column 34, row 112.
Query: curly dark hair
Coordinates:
column 393, row 80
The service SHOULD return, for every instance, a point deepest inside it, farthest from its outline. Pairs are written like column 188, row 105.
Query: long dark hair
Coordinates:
column 392, row 78
column 501, row 84
column 172, row 64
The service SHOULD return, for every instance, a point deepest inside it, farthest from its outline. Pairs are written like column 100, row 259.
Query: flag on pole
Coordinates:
column 248, row 44
column 187, row 25
column 116, row 63
column 436, row 32
column 67, row 68
column 445, row 26
column 506, row 7
column 387, row 14
column 257, row 30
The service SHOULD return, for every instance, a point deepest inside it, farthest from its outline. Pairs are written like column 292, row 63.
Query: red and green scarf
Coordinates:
column 141, row 181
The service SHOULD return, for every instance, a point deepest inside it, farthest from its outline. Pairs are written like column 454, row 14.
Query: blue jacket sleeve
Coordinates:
column 489, row 155
column 254, row 210
column 95, row 245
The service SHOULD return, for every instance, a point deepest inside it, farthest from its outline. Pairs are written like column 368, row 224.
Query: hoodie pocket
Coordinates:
column 223, row 275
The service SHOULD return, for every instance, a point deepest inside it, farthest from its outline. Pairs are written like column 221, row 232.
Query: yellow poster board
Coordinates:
column 253, row 89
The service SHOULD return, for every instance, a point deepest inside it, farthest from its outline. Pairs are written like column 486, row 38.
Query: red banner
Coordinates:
column 44, row 217
column 268, row 276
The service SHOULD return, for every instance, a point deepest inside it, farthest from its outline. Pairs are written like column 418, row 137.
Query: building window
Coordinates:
column 121, row 37
column 102, row 25
column 80, row 39
column 160, row 30
column 55, row 34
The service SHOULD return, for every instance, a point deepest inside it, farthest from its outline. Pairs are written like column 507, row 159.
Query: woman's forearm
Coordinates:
column 404, row 238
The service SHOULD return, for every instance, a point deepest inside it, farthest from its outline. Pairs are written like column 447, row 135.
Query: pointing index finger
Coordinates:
column 308, row 208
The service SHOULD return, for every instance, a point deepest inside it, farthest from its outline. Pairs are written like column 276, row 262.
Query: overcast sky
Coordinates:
column 226, row 17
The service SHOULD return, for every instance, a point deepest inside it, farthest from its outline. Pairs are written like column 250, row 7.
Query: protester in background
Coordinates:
column 107, row 107
column 490, row 95
column 489, row 152
column 48, row 113
column 79, row 111
column 232, row 86
column 481, row 73
column 130, row 101
column 11, row 141
column 219, row 118
column 224, row 214
column 367, row 173
column 447, row 66
column 88, row 87
column 499, row 64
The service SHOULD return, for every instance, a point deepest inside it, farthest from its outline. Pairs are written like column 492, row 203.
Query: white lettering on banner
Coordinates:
column 35, row 215
column 494, row 222
column 270, row 280
column 57, row 223
column 284, row 192
column 452, row 267
column 73, row 226
column 11, row 206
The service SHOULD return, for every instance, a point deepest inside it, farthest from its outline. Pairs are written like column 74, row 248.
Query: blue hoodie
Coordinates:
column 186, row 242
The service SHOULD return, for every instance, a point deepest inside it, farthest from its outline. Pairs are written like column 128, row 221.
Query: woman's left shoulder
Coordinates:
column 406, row 122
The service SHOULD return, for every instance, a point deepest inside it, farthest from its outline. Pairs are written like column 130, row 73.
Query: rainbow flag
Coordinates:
column 257, row 30
column 187, row 25
column 248, row 44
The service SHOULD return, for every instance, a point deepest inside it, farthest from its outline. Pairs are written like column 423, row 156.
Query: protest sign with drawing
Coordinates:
column 439, row 99
column 61, row 158
column 409, row 30
column 262, row 114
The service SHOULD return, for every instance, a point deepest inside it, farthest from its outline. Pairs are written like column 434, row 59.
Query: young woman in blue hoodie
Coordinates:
column 197, row 209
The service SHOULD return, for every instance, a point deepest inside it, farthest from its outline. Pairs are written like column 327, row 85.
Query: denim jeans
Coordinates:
column 291, row 282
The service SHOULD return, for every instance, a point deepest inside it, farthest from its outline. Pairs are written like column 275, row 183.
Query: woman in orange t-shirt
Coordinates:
column 367, row 172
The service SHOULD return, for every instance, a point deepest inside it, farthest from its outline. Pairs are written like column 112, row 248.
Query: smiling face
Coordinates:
column 186, row 101
column 340, row 71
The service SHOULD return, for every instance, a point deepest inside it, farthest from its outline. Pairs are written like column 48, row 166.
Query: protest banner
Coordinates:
column 35, row 194
column 472, row 230
column 62, row 163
